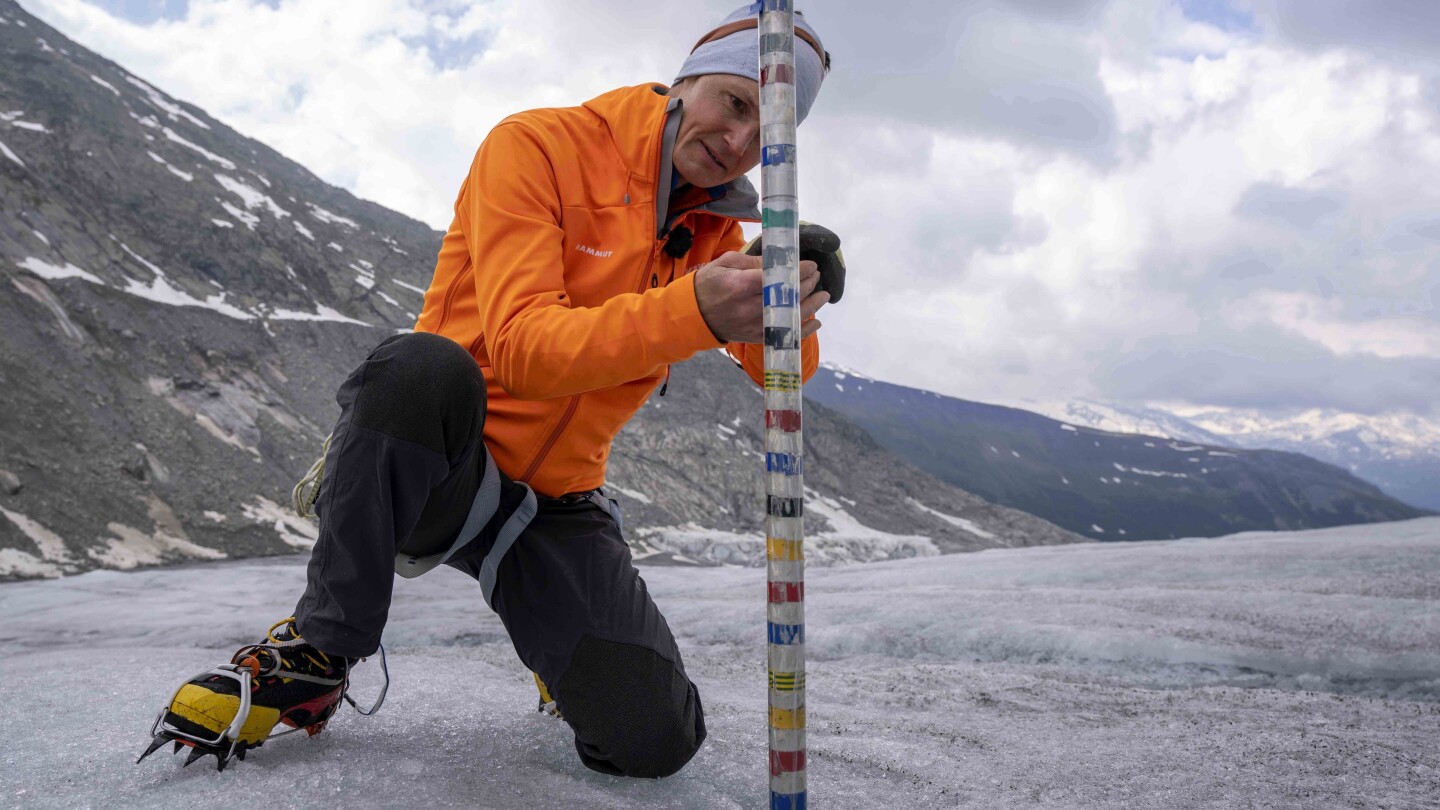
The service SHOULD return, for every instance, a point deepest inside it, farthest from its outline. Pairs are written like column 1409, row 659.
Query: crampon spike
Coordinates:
column 155, row 744
column 176, row 749
column 195, row 753
column 240, row 754
column 221, row 760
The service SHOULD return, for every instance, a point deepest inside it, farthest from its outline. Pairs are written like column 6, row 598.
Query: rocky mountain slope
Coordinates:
column 183, row 302
column 1109, row 486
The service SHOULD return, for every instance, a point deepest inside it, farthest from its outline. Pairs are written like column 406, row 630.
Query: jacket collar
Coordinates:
column 643, row 125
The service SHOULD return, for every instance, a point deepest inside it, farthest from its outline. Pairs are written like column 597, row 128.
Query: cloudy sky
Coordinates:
column 1226, row 203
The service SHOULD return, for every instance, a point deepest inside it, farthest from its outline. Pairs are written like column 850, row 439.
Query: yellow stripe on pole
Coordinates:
column 787, row 718
column 782, row 380
column 781, row 549
column 787, row 681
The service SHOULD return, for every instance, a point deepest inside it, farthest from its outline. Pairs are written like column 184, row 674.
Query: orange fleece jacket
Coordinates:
column 552, row 276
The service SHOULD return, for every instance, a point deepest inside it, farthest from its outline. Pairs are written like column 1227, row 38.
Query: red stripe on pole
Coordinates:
column 773, row 74
column 781, row 592
column 788, row 421
column 786, row 762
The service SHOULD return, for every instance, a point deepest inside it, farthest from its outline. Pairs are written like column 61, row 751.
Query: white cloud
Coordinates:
column 1117, row 187
column 1322, row 321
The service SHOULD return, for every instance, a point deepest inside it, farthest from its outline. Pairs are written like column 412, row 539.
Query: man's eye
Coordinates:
column 737, row 103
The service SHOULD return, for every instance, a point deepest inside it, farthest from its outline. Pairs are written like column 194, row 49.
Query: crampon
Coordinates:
column 234, row 707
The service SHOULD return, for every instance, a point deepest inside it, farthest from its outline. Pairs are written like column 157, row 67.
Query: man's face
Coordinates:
column 719, row 137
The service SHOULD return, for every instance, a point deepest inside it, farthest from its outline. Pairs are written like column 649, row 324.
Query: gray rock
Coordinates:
column 10, row 483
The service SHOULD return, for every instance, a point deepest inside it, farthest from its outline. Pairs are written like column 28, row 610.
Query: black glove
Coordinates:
column 820, row 245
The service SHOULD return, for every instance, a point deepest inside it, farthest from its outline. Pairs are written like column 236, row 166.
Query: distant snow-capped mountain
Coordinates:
column 1101, row 470
column 1399, row 452
column 1117, row 418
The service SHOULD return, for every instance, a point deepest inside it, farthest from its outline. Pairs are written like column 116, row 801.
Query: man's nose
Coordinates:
column 738, row 139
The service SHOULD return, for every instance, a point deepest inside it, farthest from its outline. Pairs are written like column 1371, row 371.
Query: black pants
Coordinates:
column 403, row 467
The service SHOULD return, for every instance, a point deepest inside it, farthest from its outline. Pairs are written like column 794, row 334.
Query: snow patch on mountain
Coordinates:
column 10, row 153
column 186, row 176
column 160, row 100
column 410, row 287
column 250, row 220
column 133, row 547
column 104, row 84
column 52, row 272
column 292, row 529
column 331, row 218
column 51, row 545
column 843, row 372
column 160, row 290
column 321, row 313
column 17, row 563
column 967, row 525
column 632, row 494
column 251, row 196
column 171, row 135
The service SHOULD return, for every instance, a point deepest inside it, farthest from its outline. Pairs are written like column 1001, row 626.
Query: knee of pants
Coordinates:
column 423, row 388
column 634, row 712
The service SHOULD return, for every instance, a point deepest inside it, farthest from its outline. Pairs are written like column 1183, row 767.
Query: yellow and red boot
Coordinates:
column 232, row 708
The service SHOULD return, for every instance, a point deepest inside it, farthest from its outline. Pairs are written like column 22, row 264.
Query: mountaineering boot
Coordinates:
column 232, row 708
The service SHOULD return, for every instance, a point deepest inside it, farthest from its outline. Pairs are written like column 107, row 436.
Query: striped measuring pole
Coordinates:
column 784, row 484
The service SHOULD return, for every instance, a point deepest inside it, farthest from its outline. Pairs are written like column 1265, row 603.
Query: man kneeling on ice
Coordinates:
column 592, row 247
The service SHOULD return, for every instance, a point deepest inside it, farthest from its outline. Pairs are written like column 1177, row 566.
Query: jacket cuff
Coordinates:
column 687, row 325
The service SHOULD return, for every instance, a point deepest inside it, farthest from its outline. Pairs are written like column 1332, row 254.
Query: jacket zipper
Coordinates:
column 469, row 270
column 575, row 400
column 655, row 282
column 550, row 442
column 649, row 267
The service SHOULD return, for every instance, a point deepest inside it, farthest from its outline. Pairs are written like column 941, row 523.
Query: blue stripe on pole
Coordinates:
column 787, row 801
column 787, row 463
column 778, row 154
column 786, row 633
column 778, row 295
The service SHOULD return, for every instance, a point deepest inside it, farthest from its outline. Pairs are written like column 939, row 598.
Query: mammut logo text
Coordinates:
column 593, row 252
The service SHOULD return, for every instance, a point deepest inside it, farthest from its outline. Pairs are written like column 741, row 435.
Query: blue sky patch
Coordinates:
column 1222, row 14
column 145, row 12
column 452, row 54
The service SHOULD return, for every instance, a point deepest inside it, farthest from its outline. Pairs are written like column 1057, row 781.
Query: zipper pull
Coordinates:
column 666, row 384
column 654, row 280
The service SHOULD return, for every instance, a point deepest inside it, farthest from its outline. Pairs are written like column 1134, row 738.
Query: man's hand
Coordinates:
column 728, row 292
